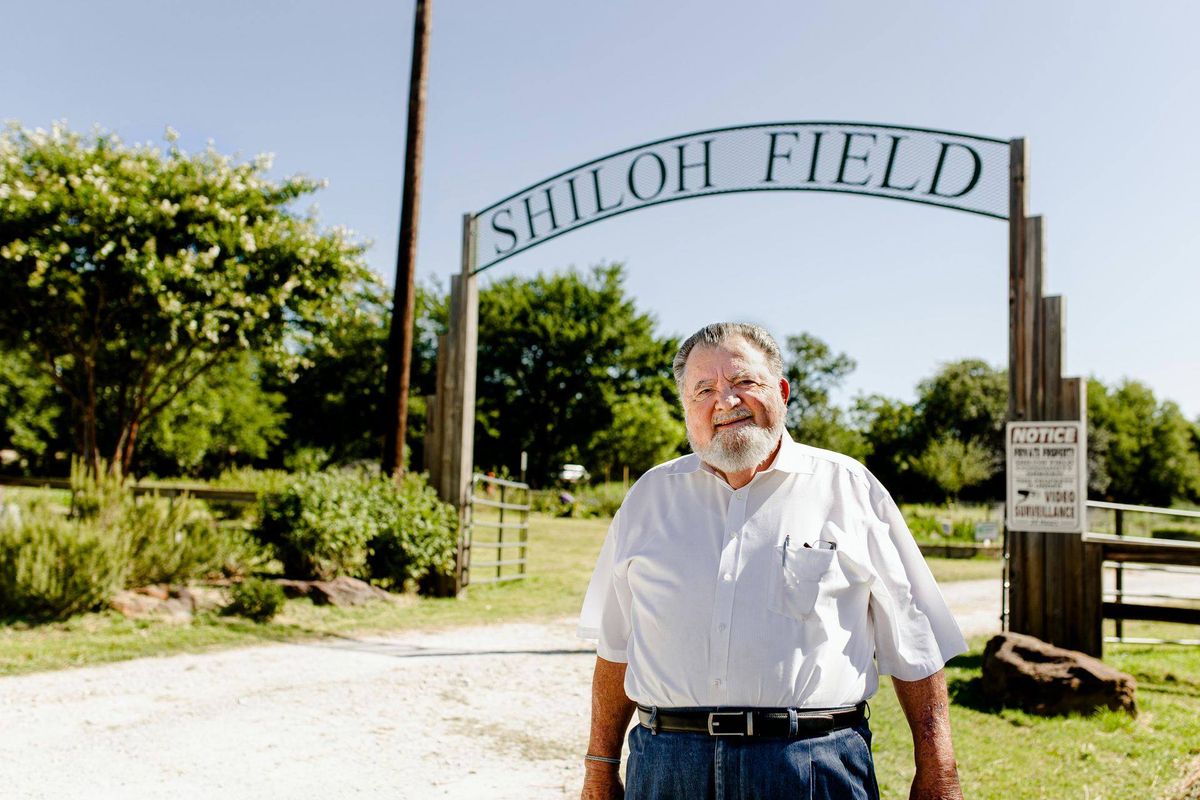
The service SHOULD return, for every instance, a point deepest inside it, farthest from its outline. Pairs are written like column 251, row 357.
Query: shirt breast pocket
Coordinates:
column 799, row 573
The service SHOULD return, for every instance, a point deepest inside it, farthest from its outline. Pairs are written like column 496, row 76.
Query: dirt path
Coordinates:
column 486, row 712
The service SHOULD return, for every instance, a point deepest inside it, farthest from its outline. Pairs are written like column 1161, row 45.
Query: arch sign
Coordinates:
column 976, row 174
column 938, row 168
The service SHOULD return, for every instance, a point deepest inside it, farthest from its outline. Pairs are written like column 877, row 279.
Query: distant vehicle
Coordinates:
column 573, row 473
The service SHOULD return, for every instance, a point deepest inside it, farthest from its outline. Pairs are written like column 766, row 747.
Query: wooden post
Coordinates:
column 461, row 439
column 1025, row 556
column 1091, row 627
column 1072, row 402
column 1119, row 529
column 1031, row 310
column 1052, row 356
column 447, row 396
column 401, row 332
column 500, row 533
column 432, row 429
column 456, row 393
column 451, row 464
column 1020, row 323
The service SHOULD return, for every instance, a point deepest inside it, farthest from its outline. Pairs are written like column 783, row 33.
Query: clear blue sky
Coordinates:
column 1104, row 93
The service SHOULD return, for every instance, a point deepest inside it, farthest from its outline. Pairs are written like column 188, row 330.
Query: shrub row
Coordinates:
column 319, row 525
column 327, row 524
column 53, row 566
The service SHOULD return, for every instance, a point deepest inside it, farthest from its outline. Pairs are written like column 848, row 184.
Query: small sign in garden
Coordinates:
column 1047, row 476
column 987, row 532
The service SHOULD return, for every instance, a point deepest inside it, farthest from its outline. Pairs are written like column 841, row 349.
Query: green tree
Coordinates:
column 556, row 353
column 890, row 428
column 646, row 430
column 29, row 408
column 225, row 417
column 814, row 371
column 966, row 400
column 954, row 465
column 334, row 401
column 1143, row 450
column 131, row 272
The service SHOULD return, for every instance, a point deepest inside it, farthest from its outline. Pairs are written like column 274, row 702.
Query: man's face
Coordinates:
column 733, row 407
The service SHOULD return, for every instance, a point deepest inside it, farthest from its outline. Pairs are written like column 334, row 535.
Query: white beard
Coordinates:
column 741, row 448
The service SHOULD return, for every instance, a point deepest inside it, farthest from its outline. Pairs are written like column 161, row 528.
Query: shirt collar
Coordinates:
column 790, row 458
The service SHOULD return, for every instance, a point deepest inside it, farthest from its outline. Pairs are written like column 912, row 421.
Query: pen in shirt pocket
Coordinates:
column 783, row 556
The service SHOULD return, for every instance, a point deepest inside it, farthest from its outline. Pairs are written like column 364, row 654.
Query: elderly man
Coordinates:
column 747, row 598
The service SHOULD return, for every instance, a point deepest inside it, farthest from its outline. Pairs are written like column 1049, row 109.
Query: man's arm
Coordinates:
column 927, row 707
column 611, row 711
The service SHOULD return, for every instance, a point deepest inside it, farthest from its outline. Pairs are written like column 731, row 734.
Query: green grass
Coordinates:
column 1006, row 754
column 948, row 570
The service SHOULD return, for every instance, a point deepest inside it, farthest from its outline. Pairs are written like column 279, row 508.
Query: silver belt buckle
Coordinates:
column 747, row 715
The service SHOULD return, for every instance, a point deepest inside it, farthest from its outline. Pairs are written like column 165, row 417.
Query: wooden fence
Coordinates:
column 1071, row 612
column 235, row 497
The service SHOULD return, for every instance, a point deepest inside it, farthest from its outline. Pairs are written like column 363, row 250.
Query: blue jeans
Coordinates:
column 695, row 766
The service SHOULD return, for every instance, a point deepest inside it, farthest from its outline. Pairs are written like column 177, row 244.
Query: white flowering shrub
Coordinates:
column 129, row 271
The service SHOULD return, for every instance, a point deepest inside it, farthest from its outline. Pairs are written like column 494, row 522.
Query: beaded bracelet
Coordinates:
column 602, row 759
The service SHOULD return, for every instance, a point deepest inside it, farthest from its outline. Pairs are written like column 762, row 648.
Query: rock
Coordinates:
column 1027, row 673
column 293, row 589
column 133, row 604
column 139, row 604
column 202, row 598
column 173, row 604
column 344, row 591
column 159, row 591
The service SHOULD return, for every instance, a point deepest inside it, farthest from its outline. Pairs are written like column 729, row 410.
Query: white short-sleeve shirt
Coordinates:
column 723, row 597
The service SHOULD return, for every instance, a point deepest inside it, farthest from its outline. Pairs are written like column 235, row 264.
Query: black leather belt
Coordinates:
column 777, row 722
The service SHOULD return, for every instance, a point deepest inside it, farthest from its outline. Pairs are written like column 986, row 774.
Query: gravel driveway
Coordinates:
column 484, row 712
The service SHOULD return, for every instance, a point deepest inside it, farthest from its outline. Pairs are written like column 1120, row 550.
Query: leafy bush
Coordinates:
column 601, row 500
column 418, row 540
column 259, row 481
column 548, row 501
column 256, row 599
column 174, row 541
column 54, row 567
column 334, row 523
column 55, row 561
column 924, row 527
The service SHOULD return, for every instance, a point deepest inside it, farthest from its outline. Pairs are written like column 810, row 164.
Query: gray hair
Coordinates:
column 717, row 334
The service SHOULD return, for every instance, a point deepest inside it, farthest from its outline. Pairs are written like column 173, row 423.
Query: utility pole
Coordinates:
column 401, row 334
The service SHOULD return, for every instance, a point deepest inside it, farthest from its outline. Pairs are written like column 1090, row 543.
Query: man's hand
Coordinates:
column 927, row 707
column 602, row 782
column 611, row 711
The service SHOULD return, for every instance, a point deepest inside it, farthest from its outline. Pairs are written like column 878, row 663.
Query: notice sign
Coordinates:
column 1047, row 476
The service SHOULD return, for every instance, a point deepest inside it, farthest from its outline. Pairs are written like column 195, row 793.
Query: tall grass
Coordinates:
column 53, row 565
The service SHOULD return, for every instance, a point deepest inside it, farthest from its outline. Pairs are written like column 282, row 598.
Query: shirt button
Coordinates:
column 733, row 534
column 722, row 626
column 717, row 682
column 727, row 576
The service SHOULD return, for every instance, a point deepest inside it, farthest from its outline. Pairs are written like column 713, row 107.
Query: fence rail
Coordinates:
column 231, row 496
column 504, row 492
column 1120, row 553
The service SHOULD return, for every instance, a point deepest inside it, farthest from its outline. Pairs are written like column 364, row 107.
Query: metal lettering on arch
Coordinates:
column 938, row 168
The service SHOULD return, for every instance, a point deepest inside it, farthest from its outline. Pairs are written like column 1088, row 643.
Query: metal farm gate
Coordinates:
column 499, row 510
